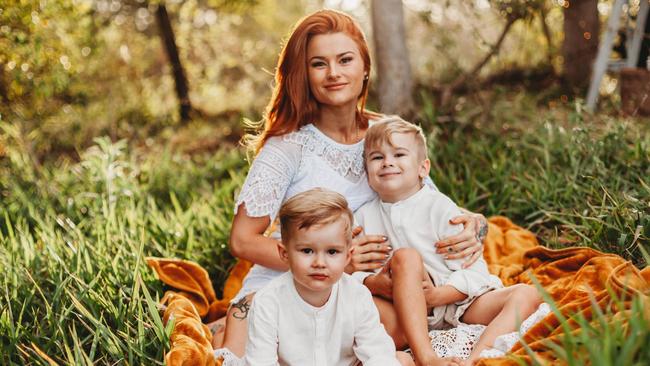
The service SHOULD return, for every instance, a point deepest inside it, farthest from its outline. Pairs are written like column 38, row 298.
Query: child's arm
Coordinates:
column 262, row 345
column 372, row 345
column 463, row 283
column 440, row 219
column 443, row 295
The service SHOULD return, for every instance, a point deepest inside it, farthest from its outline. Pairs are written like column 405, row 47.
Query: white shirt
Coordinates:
column 418, row 222
column 293, row 163
column 283, row 329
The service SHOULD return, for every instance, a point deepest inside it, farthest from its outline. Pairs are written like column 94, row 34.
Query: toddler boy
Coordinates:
column 315, row 314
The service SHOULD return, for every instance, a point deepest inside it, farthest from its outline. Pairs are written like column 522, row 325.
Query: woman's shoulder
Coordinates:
column 301, row 136
column 289, row 144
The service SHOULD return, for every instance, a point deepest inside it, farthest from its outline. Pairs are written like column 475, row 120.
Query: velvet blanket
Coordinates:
column 575, row 278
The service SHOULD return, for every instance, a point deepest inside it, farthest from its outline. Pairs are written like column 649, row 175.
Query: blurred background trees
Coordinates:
column 580, row 45
column 189, row 71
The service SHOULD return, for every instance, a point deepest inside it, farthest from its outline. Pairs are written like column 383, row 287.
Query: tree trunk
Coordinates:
column 645, row 45
column 180, row 80
column 580, row 46
column 392, row 57
column 4, row 98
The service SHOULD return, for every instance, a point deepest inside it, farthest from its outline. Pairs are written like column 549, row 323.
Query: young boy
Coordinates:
column 414, row 216
column 315, row 314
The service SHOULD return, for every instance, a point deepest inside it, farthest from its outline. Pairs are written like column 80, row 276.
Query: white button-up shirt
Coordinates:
column 419, row 222
column 283, row 329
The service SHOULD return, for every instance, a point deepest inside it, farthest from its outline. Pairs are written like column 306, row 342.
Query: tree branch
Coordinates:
column 493, row 51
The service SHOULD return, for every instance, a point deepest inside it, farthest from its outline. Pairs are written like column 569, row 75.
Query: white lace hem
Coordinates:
column 459, row 341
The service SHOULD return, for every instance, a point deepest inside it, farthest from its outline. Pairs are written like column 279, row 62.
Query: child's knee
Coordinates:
column 406, row 259
column 527, row 297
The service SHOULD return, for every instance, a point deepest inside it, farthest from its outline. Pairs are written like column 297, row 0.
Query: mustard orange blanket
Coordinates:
column 569, row 275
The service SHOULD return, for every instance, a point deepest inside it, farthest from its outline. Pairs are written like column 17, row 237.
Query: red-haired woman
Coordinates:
column 313, row 136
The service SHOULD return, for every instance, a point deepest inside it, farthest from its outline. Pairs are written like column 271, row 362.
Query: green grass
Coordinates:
column 73, row 235
column 572, row 179
column 73, row 238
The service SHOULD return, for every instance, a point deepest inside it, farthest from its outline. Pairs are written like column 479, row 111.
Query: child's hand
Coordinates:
column 369, row 251
column 429, row 293
column 381, row 284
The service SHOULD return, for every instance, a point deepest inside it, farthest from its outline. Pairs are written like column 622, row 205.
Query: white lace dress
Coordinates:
column 291, row 164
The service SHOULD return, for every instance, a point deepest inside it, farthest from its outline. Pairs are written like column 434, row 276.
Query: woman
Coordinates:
column 313, row 137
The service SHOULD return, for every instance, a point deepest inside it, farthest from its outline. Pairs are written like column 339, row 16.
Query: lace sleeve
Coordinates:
column 269, row 178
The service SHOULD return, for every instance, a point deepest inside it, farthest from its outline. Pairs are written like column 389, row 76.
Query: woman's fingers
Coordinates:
column 380, row 248
column 474, row 257
column 362, row 240
column 461, row 254
column 463, row 245
column 456, row 243
column 374, row 258
column 369, row 266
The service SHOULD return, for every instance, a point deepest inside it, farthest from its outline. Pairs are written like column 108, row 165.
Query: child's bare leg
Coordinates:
column 501, row 310
column 407, row 273
column 405, row 359
column 388, row 317
column 236, row 333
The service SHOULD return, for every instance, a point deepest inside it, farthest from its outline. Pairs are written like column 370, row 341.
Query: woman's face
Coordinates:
column 335, row 69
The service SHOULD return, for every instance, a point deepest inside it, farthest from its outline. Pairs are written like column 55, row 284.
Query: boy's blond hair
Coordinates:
column 381, row 132
column 314, row 207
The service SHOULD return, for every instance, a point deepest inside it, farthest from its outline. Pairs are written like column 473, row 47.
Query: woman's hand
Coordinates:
column 467, row 244
column 369, row 252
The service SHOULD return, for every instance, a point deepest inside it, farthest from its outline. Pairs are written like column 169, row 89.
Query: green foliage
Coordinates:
column 518, row 9
column 73, row 238
column 41, row 54
column 73, row 235
column 572, row 179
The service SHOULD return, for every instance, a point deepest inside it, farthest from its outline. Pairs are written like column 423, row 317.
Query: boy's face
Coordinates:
column 396, row 172
column 317, row 257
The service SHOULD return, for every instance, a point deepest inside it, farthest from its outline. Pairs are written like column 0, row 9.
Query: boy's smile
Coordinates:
column 317, row 257
column 396, row 172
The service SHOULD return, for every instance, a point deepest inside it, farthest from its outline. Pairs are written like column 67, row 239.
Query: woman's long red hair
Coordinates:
column 292, row 104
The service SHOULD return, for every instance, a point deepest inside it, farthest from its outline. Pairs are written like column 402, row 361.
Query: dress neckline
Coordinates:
column 330, row 140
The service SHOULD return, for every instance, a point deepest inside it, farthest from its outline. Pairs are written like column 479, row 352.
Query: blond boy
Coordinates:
column 315, row 314
column 426, row 290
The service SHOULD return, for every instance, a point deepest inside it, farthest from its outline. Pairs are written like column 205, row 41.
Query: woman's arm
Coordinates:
column 247, row 240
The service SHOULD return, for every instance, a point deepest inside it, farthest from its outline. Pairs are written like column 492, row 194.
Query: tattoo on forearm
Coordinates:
column 241, row 309
column 483, row 230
